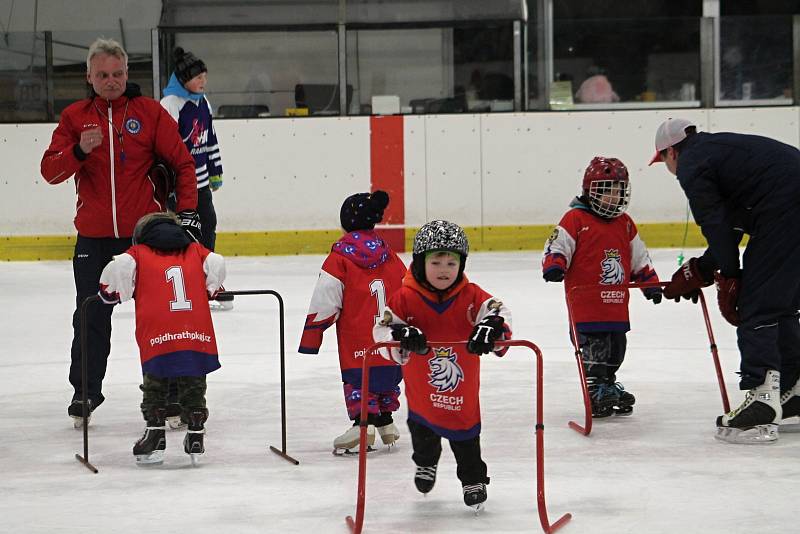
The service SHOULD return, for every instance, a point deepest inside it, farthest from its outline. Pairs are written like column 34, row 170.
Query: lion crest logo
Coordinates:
column 445, row 371
column 613, row 273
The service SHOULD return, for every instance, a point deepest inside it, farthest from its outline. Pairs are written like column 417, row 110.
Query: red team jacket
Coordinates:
column 442, row 387
column 596, row 251
column 173, row 321
column 114, row 192
column 353, row 285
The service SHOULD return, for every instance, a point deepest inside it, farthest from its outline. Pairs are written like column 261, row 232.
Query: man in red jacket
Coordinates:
column 109, row 142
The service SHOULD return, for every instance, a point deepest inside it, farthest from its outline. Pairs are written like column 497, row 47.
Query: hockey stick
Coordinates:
column 357, row 523
column 84, row 379
column 586, row 428
column 282, row 451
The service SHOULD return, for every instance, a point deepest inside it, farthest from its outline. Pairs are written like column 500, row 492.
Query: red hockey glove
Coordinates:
column 728, row 297
column 687, row 281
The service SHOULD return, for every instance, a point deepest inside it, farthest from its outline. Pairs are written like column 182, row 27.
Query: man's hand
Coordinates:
column 91, row 139
column 687, row 281
column 728, row 297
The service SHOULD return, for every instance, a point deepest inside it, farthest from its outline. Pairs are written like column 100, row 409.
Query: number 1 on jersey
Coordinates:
column 181, row 303
column 378, row 290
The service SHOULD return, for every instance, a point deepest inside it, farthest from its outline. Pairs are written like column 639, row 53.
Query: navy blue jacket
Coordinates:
column 735, row 184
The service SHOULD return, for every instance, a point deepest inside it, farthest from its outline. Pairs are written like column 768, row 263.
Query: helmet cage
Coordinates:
column 609, row 198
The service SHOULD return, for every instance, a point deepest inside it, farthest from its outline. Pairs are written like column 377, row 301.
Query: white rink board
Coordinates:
column 490, row 169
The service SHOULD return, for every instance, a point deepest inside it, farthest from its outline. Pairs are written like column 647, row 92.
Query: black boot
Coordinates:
column 602, row 395
column 193, row 442
column 475, row 495
column 150, row 448
column 425, row 478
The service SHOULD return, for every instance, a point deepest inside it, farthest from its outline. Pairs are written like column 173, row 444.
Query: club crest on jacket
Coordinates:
column 445, row 372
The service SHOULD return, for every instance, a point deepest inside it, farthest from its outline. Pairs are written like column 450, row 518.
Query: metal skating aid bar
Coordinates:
column 84, row 379
column 357, row 523
column 282, row 451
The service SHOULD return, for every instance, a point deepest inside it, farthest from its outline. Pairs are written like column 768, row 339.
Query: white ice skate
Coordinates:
column 756, row 420
column 350, row 440
column 389, row 434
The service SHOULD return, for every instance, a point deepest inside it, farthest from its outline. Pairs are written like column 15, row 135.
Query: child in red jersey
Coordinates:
column 171, row 277
column 596, row 242
column 357, row 277
column 442, row 381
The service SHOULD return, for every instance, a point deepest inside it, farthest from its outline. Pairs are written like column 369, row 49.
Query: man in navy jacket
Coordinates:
column 745, row 184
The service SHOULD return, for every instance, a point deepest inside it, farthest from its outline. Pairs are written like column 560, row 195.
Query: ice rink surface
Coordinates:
column 658, row 471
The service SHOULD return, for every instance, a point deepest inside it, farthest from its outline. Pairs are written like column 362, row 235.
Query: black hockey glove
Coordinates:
column 410, row 337
column 654, row 294
column 190, row 221
column 485, row 333
column 554, row 275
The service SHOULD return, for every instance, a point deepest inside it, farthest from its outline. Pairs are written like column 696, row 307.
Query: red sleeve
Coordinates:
column 59, row 161
column 171, row 149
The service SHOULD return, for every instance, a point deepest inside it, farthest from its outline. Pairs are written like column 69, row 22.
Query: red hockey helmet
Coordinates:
column 606, row 184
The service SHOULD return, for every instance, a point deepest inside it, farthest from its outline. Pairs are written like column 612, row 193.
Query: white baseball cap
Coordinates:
column 670, row 133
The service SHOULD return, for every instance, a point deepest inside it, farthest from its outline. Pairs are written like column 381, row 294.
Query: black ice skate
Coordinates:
column 193, row 442
column 756, row 420
column 624, row 405
column 150, row 448
column 602, row 395
column 790, row 404
column 75, row 411
column 475, row 496
column 425, row 478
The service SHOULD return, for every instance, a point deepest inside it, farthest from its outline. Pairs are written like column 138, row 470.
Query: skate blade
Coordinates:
column 477, row 508
column 154, row 458
column 353, row 451
column 757, row 435
column 175, row 422
column 77, row 422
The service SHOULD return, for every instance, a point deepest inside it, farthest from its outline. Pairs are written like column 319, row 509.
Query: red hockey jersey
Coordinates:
column 596, row 251
column 351, row 291
column 173, row 321
column 442, row 386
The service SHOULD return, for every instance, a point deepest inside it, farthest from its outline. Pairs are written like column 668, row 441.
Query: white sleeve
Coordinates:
column 119, row 277
column 326, row 302
column 173, row 105
column 382, row 332
column 640, row 258
column 214, row 267
column 560, row 243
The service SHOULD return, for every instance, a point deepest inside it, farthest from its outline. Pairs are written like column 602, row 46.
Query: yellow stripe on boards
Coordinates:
column 292, row 242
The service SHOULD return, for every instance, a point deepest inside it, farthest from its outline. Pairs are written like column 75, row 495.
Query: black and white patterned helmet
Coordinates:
column 441, row 235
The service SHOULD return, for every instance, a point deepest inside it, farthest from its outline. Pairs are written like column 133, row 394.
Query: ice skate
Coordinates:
column 425, row 478
column 388, row 433
column 790, row 404
column 75, row 411
column 193, row 442
column 174, row 420
column 624, row 405
column 150, row 448
column 350, row 440
column 475, row 496
column 603, row 397
column 756, row 420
